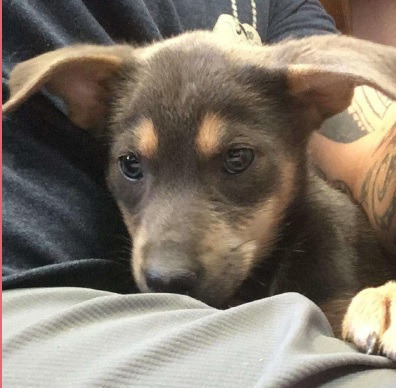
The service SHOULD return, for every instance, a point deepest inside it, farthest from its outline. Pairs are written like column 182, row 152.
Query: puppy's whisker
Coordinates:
column 242, row 245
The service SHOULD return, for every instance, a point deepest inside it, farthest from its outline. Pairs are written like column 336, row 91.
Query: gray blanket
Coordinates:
column 77, row 337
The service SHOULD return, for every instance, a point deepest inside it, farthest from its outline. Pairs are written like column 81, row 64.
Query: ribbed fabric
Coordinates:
column 76, row 337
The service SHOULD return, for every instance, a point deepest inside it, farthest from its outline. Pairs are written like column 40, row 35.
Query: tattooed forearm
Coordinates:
column 357, row 153
column 378, row 190
column 375, row 190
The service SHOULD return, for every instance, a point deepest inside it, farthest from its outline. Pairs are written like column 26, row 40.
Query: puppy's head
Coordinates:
column 208, row 141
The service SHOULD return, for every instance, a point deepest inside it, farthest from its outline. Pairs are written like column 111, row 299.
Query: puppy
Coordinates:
column 209, row 167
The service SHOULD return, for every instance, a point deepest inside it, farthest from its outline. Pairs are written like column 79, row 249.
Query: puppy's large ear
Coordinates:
column 80, row 75
column 322, row 71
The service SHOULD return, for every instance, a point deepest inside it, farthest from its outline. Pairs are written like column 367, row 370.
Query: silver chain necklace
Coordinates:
column 254, row 12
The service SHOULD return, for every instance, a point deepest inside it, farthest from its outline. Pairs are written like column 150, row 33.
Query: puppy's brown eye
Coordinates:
column 238, row 160
column 130, row 167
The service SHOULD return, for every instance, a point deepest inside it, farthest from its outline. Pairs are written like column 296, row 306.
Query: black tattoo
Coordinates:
column 385, row 103
column 363, row 118
column 342, row 128
column 390, row 138
column 375, row 190
column 351, row 125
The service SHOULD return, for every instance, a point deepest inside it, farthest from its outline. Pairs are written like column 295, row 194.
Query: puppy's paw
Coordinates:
column 370, row 322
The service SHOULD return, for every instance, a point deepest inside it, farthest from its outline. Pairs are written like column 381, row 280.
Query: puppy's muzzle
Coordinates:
column 171, row 269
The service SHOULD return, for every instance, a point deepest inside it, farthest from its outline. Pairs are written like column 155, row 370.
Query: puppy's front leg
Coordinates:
column 367, row 319
column 370, row 321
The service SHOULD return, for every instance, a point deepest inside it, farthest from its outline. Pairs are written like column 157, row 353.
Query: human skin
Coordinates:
column 356, row 151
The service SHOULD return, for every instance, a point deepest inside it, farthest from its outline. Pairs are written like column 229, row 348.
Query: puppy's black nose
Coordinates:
column 176, row 282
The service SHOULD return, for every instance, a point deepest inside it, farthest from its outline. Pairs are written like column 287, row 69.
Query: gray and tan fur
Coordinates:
column 181, row 106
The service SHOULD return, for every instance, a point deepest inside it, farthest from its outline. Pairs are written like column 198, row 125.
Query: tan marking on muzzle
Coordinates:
column 129, row 219
column 139, row 241
column 222, row 239
column 252, row 239
column 148, row 139
column 209, row 135
column 269, row 215
column 138, row 234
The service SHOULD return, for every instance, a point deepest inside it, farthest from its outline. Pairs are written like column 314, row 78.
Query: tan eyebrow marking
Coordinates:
column 209, row 134
column 148, row 140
